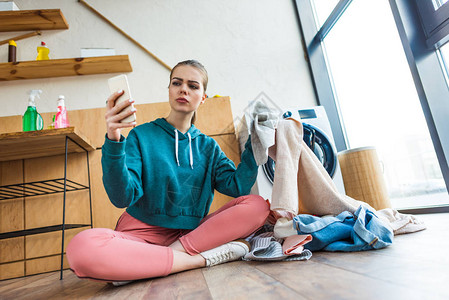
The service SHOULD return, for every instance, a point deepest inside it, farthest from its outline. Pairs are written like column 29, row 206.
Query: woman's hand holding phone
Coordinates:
column 120, row 111
column 115, row 112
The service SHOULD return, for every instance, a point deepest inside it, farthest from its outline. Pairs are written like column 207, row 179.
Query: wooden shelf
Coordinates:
column 41, row 143
column 42, row 19
column 64, row 67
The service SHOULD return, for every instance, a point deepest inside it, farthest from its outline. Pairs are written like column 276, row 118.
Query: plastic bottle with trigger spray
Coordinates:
column 32, row 120
column 61, row 120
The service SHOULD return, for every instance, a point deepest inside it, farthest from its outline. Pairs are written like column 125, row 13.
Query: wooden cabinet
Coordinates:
column 28, row 216
column 50, row 19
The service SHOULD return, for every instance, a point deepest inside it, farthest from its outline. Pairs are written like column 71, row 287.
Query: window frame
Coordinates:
column 435, row 23
column 312, row 38
column 424, row 61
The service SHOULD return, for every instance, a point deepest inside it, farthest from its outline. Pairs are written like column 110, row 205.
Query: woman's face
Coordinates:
column 186, row 90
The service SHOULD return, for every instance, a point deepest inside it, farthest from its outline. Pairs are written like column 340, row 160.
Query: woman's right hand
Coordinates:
column 116, row 113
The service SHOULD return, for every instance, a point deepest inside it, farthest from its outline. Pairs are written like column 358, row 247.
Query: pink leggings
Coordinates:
column 136, row 250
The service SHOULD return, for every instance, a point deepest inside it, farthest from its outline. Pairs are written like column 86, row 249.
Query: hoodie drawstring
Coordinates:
column 190, row 148
column 176, row 146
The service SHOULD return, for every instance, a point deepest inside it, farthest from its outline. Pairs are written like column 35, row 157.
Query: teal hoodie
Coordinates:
column 167, row 178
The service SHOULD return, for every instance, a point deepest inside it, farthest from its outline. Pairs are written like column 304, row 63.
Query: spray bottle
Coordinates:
column 32, row 120
column 61, row 120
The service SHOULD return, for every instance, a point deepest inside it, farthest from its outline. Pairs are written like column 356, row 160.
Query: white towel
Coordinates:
column 263, row 124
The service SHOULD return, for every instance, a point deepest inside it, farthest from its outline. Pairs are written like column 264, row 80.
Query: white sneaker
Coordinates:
column 228, row 252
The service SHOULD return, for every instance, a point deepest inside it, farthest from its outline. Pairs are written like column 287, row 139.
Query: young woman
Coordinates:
column 165, row 173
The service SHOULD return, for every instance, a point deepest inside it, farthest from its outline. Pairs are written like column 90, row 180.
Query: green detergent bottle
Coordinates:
column 32, row 120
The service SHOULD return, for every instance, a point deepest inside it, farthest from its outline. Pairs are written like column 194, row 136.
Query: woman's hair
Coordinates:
column 196, row 64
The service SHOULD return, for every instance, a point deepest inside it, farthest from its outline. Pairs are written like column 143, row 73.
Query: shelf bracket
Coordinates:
column 21, row 37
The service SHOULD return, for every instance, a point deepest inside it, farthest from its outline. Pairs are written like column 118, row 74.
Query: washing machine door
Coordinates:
column 319, row 143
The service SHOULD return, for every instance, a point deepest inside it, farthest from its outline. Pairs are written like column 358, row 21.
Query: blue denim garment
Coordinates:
column 362, row 230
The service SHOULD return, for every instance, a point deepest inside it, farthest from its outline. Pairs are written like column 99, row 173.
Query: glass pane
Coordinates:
column 323, row 9
column 445, row 54
column 379, row 104
column 438, row 3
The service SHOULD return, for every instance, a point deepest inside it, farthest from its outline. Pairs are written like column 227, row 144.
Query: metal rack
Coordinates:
column 10, row 142
column 38, row 188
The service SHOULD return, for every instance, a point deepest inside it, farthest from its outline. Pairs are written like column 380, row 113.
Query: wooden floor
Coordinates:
column 416, row 266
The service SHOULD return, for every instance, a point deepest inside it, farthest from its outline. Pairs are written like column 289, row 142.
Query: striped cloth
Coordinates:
column 266, row 247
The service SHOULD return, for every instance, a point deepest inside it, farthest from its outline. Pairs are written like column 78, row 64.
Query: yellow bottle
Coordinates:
column 42, row 52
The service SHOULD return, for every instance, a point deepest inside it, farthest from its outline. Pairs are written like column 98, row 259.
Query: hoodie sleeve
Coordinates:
column 122, row 170
column 236, row 182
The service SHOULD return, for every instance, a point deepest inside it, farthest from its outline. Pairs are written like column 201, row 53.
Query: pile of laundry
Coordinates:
column 307, row 211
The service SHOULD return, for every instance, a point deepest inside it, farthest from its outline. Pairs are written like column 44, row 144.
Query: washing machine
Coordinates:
column 317, row 135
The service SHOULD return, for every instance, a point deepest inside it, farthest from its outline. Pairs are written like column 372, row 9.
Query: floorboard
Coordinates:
column 184, row 285
column 238, row 280
column 321, row 281
column 414, row 267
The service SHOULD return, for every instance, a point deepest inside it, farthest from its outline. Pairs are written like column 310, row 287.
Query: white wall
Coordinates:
column 247, row 46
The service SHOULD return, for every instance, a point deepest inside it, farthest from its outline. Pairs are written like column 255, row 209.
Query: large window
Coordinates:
column 379, row 104
column 376, row 99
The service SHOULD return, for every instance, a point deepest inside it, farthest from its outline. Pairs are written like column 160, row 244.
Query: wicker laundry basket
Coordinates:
column 363, row 176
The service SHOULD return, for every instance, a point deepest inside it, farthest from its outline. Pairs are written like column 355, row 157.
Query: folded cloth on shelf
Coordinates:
column 265, row 247
column 301, row 184
column 360, row 231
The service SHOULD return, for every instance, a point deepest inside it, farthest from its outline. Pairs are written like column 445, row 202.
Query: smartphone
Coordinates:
column 117, row 83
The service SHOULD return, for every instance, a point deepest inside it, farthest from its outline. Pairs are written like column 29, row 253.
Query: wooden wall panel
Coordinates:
column 11, row 219
column 214, row 117
column 45, row 264
column 10, row 124
column 11, row 211
column 12, row 270
column 49, row 243
column 11, row 250
column 91, row 122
